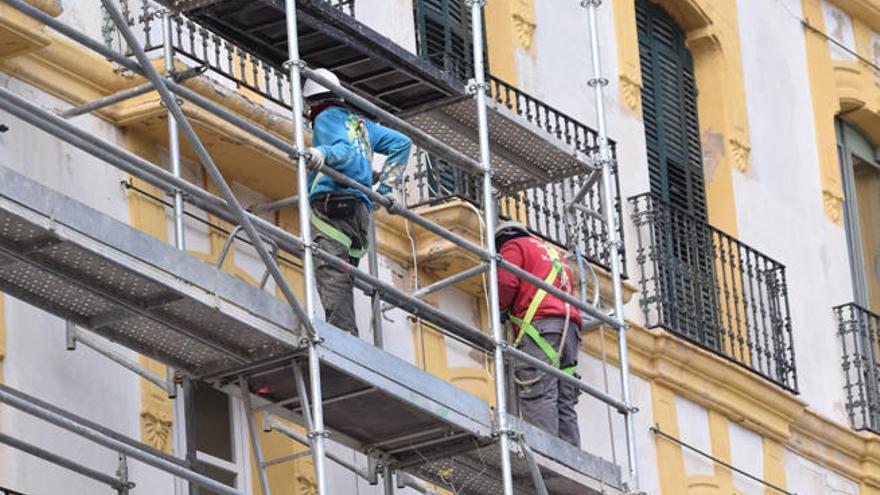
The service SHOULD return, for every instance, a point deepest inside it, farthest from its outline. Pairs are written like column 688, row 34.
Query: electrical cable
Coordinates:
column 810, row 27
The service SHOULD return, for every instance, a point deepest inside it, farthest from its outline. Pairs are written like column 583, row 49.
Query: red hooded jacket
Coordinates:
column 515, row 295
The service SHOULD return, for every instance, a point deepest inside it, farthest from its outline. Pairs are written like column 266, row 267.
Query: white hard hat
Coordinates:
column 510, row 225
column 312, row 88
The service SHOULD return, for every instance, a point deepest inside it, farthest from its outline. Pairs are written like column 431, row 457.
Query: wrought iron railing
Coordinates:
column 859, row 332
column 433, row 181
column 202, row 46
column 566, row 129
column 541, row 208
column 711, row 289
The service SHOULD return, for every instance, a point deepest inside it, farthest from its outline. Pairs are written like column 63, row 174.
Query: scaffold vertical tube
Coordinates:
column 173, row 134
column 181, row 448
column 296, row 101
column 489, row 214
column 614, row 242
column 256, row 445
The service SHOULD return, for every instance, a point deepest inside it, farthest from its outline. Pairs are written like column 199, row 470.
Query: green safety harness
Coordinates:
column 357, row 128
column 525, row 324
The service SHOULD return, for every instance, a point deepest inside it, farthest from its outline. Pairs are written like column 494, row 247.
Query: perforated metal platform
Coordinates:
column 82, row 265
column 374, row 401
column 523, row 154
column 365, row 60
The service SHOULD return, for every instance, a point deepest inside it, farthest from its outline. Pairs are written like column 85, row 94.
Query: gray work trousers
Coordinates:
column 336, row 288
column 550, row 403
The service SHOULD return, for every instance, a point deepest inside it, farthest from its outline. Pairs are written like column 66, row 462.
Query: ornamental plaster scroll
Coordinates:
column 833, row 203
column 740, row 152
column 631, row 93
column 524, row 23
column 156, row 429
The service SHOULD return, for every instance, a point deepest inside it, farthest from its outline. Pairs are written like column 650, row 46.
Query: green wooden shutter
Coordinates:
column 669, row 99
column 686, row 270
column 444, row 35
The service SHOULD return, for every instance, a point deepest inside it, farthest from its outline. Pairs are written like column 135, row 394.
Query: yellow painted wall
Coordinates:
column 2, row 334
column 669, row 455
column 148, row 216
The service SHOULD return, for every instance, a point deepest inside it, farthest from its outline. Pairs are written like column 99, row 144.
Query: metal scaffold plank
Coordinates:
column 370, row 396
column 81, row 264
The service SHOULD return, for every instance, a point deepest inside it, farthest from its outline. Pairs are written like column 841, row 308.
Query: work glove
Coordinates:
column 314, row 157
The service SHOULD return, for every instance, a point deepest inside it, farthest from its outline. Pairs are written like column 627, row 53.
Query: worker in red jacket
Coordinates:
column 544, row 327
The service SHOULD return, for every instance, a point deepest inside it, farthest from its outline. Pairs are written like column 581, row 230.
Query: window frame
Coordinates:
column 852, row 142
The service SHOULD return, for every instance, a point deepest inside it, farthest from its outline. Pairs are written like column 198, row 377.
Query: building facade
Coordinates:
column 748, row 185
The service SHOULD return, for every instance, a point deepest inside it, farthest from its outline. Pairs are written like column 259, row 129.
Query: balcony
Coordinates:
column 714, row 291
column 245, row 43
column 541, row 208
column 532, row 127
column 859, row 330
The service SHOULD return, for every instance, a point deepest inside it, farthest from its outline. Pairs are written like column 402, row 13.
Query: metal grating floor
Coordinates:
column 523, row 155
column 365, row 60
column 78, row 263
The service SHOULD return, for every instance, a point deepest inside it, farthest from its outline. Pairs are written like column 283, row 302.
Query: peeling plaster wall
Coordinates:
column 779, row 210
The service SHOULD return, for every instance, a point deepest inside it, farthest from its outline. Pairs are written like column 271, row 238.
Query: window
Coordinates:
column 444, row 35
column 221, row 442
column 672, row 135
column 860, row 170
column 669, row 99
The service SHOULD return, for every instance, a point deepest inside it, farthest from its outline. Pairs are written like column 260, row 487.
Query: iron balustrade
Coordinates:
column 206, row 48
column 713, row 290
column 540, row 208
column 859, row 332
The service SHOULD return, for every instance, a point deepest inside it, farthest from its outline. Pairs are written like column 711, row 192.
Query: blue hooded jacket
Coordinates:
column 348, row 141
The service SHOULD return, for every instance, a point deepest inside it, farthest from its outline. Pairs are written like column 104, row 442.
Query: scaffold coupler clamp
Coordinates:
column 591, row 3
column 313, row 434
column 473, row 86
column 597, row 81
column 287, row 64
column 509, row 432
column 471, row 3
column 308, row 340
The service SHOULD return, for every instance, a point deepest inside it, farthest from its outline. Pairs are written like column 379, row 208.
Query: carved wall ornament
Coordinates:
column 739, row 153
column 833, row 203
column 524, row 23
column 631, row 92
column 156, row 430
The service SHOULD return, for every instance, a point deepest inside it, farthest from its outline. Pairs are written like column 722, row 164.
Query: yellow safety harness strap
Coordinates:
column 332, row 232
column 525, row 324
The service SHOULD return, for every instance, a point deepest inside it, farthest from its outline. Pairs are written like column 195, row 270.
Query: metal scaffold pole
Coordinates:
column 317, row 433
column 598, row 83
column 479, row 86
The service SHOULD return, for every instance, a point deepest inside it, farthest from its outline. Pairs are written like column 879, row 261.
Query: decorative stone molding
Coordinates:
column 305, row 485
column 833, row 203
column 740, row 153
column 156, row 429
column 631, row 93
column 524, row 22
column 525, row 31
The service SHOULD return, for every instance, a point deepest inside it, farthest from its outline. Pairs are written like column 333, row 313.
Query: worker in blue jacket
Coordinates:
column 345, row 141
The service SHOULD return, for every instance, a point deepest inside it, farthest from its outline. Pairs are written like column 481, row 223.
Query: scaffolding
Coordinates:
column 208, row 326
